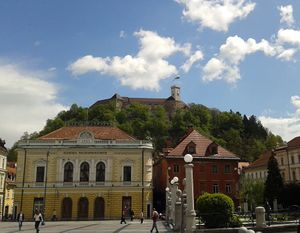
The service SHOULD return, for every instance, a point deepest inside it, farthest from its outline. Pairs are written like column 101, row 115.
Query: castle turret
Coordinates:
column 175, row 92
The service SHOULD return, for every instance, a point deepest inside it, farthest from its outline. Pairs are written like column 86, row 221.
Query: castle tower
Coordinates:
column 175, row 92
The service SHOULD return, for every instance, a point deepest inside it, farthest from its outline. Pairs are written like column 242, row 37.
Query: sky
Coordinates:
column 239, row 55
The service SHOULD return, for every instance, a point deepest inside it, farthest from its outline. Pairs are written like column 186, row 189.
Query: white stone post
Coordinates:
column 275, row 205
column 260, row 217
column 167, row 203
column 178, row 211
column 174, row 187
column 190, row 211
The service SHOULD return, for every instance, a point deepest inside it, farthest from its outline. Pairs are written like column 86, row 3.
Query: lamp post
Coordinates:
column 190, row 211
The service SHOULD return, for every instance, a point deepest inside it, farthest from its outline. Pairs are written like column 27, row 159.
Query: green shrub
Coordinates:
column 235, row 221
column 215, row 210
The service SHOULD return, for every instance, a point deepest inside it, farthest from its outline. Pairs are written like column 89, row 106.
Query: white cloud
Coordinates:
column 145, row 70
column 216, row 14
column 26, row 101
column 231, row 54
column 287, row 127
column 122, row 34
column 198, row 55
column 289, row 36
column 225, row 65
column 286, row 13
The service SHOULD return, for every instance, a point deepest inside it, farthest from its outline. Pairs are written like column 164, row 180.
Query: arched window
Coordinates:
column 84, row 172
column 100, row 172
column 68, row 172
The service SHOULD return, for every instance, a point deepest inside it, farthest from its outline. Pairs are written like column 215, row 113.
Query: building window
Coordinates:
column 282, row 162
column 293, row 160
column 298, row 158
column 202, row 188
column 84, row 172
column 214, row 169
column 175, row 168
column 127, row 173
column 38, row 204
column 215, row 188
column 100, row 172
column 191, row 149
column 294, row 175
column 40, row 174
column 228, row 188
column 283, row 176
column 68, row 172
column 227, row 168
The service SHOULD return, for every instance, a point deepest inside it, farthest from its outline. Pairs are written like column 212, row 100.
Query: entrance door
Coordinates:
column 83, row 208
column 126, row 205
column 66, row 209
column 99, row 208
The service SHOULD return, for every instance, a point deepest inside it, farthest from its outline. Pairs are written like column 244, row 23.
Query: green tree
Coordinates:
column 274, row 182
column 252, row 192
column 215, row 210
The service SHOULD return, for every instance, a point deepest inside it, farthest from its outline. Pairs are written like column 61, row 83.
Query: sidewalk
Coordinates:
column 107, row 226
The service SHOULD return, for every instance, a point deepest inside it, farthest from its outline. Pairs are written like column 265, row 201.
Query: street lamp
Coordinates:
column 190, row 211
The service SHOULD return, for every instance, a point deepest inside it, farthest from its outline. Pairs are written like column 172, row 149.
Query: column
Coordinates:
column 190, row 212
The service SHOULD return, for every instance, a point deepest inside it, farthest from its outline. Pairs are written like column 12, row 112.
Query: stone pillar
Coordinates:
column 183, row 206
column 174, row 187
column 275, row 205
column 245, row 207
column 190, row 212
column 260, row 217
column 167, row 204
column 178, row 211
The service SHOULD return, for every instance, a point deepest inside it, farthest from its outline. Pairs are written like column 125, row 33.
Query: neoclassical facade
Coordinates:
column 84, row 173
column 3, row 154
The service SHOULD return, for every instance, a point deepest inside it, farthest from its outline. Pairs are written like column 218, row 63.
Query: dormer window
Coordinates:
column 191, row 148
column 212, row 149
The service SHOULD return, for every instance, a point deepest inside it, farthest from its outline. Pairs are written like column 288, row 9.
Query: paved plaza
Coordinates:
column 112, row 226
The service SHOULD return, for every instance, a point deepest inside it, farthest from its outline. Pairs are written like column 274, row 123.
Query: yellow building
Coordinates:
column 9, row 212
column 84, row 173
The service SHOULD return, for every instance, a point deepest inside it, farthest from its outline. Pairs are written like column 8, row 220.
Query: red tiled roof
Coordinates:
column 201, row 145
column 262, row 161
column 99, row 132
column 295, row 142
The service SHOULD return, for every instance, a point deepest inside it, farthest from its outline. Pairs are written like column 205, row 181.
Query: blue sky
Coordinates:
column 230, row 54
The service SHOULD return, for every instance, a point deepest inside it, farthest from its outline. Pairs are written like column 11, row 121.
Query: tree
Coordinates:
column 216, row 210
column 274, row 182
column 252, row 192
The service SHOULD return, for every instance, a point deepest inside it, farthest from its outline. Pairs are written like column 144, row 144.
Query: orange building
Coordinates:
column 215, row 168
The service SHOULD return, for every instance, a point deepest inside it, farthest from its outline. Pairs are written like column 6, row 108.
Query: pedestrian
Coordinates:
column 123, row 217
column 54, row 215
column 21, row 218
column 131, row 214
column 142, row 217
column 37, row 220
column 154, row 220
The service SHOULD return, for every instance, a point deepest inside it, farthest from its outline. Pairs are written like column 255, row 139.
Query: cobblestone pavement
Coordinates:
column 112, row 226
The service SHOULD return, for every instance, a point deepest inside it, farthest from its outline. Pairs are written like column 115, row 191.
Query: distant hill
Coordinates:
column 245, row 136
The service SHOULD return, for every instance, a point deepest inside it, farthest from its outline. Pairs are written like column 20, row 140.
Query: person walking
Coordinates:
column 142, row 217
column 21, row 218
column 37, row 220
column 154, row 220
column 123, row 217
column 131, row 215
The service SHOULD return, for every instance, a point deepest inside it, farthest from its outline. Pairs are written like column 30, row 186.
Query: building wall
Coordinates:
column 289, row 164
column 112, row 190
column 205, row 179
column 2, row 178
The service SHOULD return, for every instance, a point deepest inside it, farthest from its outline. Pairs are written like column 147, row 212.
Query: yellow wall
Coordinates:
column 112, row 192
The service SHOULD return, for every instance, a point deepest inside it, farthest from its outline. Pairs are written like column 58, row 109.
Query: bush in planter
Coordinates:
column 215, row 210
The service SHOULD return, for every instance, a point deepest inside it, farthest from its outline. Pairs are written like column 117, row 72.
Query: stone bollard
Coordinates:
column 260, row 217
column 243, row 230
column 178, row 211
